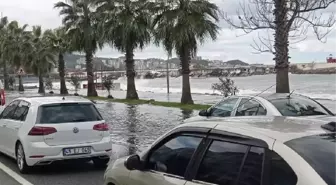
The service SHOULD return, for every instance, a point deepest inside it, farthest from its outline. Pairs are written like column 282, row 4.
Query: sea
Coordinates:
column 319, row 87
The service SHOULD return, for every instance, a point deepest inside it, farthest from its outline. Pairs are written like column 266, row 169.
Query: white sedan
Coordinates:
column 242, row 151
column 42, row 130
column 267, row 105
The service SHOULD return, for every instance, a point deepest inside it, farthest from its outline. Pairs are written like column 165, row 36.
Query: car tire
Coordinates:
column 100, row 163
column 21, row 159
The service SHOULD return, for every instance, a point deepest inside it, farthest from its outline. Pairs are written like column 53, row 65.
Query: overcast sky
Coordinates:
column 229, row 44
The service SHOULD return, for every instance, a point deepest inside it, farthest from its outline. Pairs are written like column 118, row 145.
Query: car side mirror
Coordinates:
column 203, row 113
column 133, row 162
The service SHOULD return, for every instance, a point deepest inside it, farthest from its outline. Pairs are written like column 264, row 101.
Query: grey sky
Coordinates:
column 228, row 46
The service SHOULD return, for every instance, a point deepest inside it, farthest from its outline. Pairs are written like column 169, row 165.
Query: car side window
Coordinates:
column 8, row 112
column 21, row 111
column 224, row 108
column 250, row 107
column 281, row 172
column 174, row 156
column 221, row 162
column 251, row 173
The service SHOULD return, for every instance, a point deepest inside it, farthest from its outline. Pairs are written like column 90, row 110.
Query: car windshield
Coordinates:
column 298, row 106
column 68, row 112
column 320, row 152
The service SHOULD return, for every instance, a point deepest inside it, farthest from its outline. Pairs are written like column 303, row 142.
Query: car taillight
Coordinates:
column 101, row 127
column 41, row 131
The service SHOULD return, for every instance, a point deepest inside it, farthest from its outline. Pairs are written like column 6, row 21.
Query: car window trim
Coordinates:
column 189, row 131
column 26, row 112
column 223, row 136
column 237, row 138
column 197, row 130
column 13, row 109
column 226, row 99
column 249, row 99
column 165, row 141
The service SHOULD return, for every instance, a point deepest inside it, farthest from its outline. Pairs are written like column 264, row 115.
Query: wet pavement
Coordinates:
column 133, row 127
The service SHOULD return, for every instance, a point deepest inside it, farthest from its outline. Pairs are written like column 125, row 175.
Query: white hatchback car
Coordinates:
column 240, row 151
column 41, row 130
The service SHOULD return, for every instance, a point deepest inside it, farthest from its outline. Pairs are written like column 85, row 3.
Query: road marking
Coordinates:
column 14, row 175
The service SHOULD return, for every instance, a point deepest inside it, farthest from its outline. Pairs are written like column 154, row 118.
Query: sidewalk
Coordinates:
column 5, row 179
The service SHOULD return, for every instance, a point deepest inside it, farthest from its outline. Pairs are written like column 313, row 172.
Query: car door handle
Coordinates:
column 4, row 125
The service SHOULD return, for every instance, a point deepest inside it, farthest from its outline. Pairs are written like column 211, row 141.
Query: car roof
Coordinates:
column 270, row 96
column 281, row 96
column 44, row 100
column 274, row 127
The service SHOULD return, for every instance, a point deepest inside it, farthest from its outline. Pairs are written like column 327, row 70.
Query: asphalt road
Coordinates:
column 5, row 179
column 74, row 173
column 61, row 173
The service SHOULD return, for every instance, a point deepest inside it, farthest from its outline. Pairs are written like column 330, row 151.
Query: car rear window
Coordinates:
column 298, row 106
column 320, row 152
column 68, row 112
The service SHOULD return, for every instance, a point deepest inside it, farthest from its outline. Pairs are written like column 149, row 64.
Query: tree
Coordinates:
column 182, row 25
column 3, row 61
column 226, row 87
column 14, row 45
column 75, row 82
column 108, row 84
column 61, row 43
column 42, row 56
column 80, row 20
column 289, row 20
column 126, row 26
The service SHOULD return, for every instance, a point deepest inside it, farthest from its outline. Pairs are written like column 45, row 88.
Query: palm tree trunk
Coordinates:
column 185, row 61
column 21, row 89
column 6, row 77
column 130, row 73
column 281, row 46
column 91, row 89
column 41, row 84
column 61, row 70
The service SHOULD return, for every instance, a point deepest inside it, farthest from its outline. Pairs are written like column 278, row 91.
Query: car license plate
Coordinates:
column 76, row 151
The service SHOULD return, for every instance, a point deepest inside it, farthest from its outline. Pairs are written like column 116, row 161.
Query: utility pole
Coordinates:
column 167, row 70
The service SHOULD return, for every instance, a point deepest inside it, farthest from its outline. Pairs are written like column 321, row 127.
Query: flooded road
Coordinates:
column 137, row 126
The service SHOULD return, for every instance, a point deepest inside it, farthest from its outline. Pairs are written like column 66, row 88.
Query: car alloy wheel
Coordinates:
column 21, row 160
column 20, row 157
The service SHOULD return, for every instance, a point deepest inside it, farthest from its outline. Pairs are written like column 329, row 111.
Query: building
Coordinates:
column 331, row 59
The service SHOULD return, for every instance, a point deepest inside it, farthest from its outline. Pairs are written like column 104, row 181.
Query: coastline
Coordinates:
column 153, row 102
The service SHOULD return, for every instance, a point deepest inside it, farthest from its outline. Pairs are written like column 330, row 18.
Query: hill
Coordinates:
column 236, row 62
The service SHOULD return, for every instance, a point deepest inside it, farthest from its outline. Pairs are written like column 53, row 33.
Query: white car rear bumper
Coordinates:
column 39, row 153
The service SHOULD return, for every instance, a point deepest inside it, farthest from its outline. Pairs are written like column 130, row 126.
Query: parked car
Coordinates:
column 249, row 150
column 267, row 105
column 41, row 130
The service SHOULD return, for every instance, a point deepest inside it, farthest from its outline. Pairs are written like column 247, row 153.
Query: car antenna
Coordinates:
column 254, row 96
column 290, row 94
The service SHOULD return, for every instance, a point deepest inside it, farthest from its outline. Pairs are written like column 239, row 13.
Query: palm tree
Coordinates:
column 42, row 55
column 3, row 61
column 61, row 43
column 182, row 25
column 80, row 23
column 126, row 26
column 14, row 47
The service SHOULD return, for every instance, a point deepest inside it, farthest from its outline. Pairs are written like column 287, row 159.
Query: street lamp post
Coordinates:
column 167, row 70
